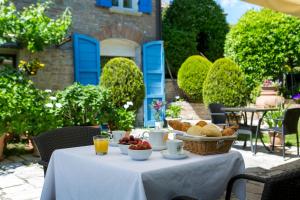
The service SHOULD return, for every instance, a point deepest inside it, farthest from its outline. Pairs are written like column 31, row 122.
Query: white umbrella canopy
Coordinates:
column 287, row 6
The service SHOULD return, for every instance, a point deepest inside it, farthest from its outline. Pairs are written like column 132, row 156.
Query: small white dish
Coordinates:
column 139, row 154
column 113, row 143
column 179, row 156
column 124, row 148
column 159, row 148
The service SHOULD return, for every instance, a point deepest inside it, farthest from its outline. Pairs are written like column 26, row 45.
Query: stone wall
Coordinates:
column 91, row 20
column 190, row 111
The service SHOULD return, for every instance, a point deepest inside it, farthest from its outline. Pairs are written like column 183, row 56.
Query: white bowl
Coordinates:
column 139, row 154
column 124, row 148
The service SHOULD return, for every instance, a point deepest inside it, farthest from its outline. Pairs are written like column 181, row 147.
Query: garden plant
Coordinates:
column 264, row 43
column 125, row 81
column 225, row 83
column 32, row 29
column 191, row 76
column 191, row 27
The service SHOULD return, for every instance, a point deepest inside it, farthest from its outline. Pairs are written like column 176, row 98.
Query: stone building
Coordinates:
column 100, row 30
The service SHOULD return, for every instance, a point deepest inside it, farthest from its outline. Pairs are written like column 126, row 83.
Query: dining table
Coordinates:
column 78, row 173
column 261, row 111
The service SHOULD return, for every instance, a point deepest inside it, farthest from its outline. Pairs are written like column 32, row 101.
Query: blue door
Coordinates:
column 154, row 78
column 86, row 59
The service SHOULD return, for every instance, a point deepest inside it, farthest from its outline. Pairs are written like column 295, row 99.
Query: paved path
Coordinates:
column 21, row 178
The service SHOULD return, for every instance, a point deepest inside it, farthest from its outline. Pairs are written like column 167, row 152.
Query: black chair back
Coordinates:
column 290, row 120
column 66, row 137
column 283, row 186
column 217, row 115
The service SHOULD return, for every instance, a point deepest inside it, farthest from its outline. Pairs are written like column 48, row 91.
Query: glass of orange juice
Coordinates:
column 101, row 143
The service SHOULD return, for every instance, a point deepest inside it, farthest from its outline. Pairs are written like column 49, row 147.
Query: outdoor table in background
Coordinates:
column 252, row 110
column 77, row 173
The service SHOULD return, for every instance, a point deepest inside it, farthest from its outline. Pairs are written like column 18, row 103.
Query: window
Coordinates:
column 129, row 5
column 7, row 60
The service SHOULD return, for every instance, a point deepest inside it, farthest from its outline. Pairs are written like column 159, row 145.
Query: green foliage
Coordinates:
column 193, row 26
column 179, row 45
column 264, row 44
column 272, row 118
column 123, row 119
column 31, row 27
column 125, row 81
column 225, row 83
column 83, row 105
column 191, row 76
column 23, row 107
column 173, row 110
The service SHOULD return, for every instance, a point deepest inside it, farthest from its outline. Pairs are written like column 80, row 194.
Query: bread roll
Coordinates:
column 228, row 131
column 185, row 126
column 195, row 131
column 175, row 124
column 211, row 130
column 201, row 123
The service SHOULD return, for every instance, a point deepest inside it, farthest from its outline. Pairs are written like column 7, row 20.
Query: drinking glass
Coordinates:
column 101, row 143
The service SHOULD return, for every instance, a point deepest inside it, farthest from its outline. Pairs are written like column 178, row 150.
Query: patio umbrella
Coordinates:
column 287, row 6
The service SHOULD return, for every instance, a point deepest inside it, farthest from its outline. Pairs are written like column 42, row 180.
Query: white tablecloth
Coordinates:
column 77, row 173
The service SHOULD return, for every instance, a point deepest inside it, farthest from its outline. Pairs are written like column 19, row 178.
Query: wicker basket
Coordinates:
column 207, row 145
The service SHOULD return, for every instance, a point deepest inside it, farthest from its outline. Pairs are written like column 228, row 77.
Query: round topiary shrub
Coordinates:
column 125, row 81
column 225, row 83
column 191, row 76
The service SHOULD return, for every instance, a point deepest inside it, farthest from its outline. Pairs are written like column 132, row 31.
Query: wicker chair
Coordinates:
column 278, row 187
column 282, row 186
column 63, row 138
column 289, row 126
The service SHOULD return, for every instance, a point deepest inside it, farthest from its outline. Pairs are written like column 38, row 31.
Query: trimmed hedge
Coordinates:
column 225, row 83
column 125, row 81
column 191, row 76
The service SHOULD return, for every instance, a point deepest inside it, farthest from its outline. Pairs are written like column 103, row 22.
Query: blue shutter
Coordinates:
column 104, row 3
column 86, row 59
column 154, row 78
column 145, row 6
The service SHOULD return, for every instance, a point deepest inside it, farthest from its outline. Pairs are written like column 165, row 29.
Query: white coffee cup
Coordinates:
column 174, row 146
column 117, row 135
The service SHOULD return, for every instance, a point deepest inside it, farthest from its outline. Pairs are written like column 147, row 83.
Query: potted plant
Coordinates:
column 158, row 106
column 174, row 109
column 271, row 119
column 122, row 119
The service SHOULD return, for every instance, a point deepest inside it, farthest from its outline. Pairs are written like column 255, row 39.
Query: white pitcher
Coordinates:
column 157, row 139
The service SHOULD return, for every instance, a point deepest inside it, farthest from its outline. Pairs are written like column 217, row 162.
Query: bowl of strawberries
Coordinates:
column 140, row 151
column 125, row 142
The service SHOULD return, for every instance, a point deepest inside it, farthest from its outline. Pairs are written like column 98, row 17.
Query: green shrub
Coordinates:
column 23, row 107
column 173, row 110
column 193, row 26
column 225, row 83
column 83, row 105
column 264, row 43
column 191, row 76
column 125, row 81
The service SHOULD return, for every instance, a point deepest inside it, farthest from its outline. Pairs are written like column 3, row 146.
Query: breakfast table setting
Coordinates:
column 158, row 164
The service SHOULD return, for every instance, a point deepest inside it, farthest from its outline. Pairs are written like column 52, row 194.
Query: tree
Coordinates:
column 191, row 27
column 264, row 44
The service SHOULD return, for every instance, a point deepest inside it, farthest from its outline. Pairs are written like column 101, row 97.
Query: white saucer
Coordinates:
column 166, row 155
column 113, row 144
column 159, row 148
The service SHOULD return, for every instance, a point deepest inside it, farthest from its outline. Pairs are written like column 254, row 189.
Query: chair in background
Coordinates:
column 66, row 137
column 278, row 187
column 289, row 126
column 218, row 116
